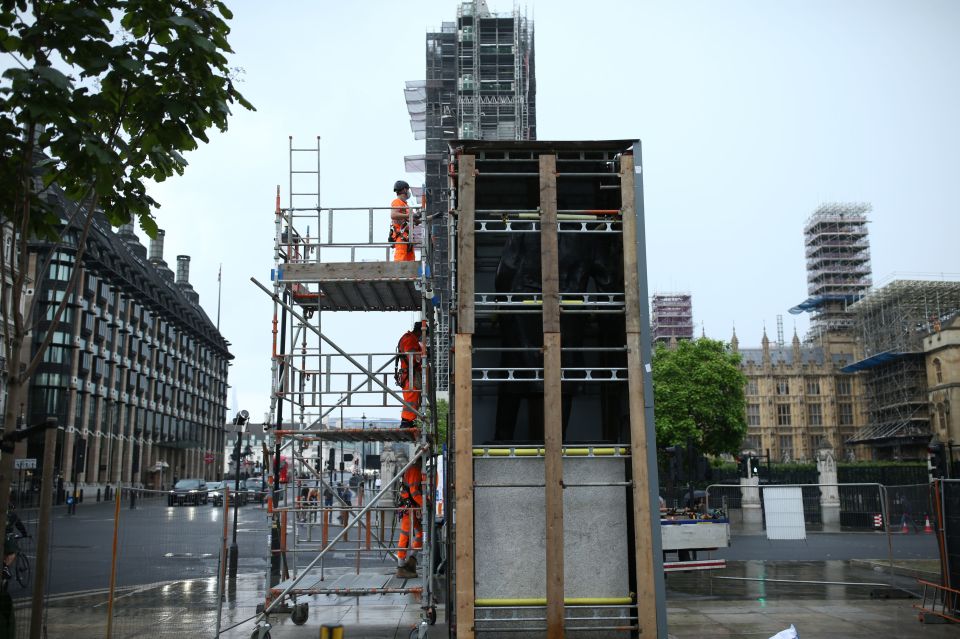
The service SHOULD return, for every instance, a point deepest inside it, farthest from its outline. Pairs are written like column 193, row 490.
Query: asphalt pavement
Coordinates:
column 766, row 587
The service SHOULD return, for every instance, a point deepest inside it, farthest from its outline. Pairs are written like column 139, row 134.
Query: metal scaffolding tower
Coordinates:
column 838, row 263
column 330, row 260
column 891, row 323
column 481, row 84
column 671, row 317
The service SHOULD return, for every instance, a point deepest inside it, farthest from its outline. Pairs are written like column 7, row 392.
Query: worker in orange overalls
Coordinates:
column 409, row 353
column 400, row 223
column 411, row 502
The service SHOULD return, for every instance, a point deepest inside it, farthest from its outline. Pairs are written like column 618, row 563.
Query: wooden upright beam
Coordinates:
column 466, row 183
column 552, row 413
column 463, row 457
column 642, row 508
column 463, row 402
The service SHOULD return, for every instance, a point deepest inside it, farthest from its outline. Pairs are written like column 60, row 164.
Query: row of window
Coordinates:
column 138, row 349
column 814, row 414
column 781, row 386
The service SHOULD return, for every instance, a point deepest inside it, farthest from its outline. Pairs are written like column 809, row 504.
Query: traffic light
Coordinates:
column 749, row 466
column 937, row 460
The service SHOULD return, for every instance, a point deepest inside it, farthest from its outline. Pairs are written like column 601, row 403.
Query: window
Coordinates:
column 814, row 414
column 751, row 442
column 816, row 441
column 753, row 414
column 813, row 386
column 843, row 386
column 845, row 413
column 938, row 370
column 782, row 385
column 783, row 414
column 786, row 447
column 752, row 387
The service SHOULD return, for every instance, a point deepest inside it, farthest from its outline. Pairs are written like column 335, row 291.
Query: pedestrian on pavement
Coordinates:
column 302, row 503
column 327, row 497
column 312, row 503
column 401, row 220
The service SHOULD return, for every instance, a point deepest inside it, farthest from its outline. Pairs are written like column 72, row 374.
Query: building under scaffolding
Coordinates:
column 891, row 323
column 671, row 317
column 480, row 84
column 838, row 265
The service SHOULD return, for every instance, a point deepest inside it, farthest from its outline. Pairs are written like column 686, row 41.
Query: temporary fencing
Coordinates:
column 165, row 560
column 135, row 566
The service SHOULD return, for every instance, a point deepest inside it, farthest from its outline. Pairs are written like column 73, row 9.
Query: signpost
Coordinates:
column 208, row 458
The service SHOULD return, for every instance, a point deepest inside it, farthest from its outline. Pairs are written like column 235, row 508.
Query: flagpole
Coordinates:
column 219, row 279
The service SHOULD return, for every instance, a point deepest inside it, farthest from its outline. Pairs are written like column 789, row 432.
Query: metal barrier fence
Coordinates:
column 862, row 506
column 166, row 557
column 143, row 564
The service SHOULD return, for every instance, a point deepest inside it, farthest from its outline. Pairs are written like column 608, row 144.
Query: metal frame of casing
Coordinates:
column 547, row 220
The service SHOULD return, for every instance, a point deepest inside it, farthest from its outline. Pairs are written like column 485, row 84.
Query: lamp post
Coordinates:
column 239, row 421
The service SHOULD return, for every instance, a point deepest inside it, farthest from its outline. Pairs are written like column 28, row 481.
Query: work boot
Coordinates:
column 411, row 563
column 405, row 572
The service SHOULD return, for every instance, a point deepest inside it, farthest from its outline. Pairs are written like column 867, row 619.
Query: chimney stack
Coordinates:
column 156, row 248
column 183, row 270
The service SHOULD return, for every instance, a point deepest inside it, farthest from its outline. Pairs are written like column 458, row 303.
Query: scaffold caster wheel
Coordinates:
column 432, row 615
column 299, row 614
column 261, row 633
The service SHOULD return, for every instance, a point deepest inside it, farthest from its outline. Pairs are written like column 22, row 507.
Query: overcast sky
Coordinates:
column 751, row 114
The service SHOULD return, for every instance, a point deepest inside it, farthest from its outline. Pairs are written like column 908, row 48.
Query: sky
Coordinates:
column 751, row 114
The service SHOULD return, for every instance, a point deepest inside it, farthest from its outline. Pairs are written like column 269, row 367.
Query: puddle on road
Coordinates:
column 764, row 580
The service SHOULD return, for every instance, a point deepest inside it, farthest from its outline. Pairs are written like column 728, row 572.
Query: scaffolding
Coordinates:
column 671, row 317
column 838, row 262
column 480, row 84
column 329, row 260
column 891, row 324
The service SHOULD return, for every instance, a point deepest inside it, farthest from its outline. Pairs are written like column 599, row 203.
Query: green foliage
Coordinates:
column 112, row 92
column 698, row 394
column 443, row 413
column 98, row 98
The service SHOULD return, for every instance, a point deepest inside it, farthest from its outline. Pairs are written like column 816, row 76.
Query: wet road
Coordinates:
column 761, row 581
column 156, row 543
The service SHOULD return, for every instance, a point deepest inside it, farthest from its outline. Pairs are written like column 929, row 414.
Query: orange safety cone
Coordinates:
column 904, row 529
column 927, row 528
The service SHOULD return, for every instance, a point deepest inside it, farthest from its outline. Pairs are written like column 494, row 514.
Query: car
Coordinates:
column 215, row 491
column 189, row 492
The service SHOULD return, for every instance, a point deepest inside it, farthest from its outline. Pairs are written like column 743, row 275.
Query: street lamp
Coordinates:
column 239, row 421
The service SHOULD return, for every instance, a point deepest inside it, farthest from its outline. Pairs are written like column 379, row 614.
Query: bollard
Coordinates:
column 331, row 632
column 133, row 498
column 98, row 495
column 80, row 498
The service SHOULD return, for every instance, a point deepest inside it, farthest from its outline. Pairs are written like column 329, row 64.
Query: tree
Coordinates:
column 698, row 395
column 443, row 414
column 102, row 96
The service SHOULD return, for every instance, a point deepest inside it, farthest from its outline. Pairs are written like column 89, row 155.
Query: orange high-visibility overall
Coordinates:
column 411, row 497
column 402, row 248
column 411, row 380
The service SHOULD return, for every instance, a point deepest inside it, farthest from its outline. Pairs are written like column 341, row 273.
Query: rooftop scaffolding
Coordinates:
column 672, row 316
column 891, row 323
